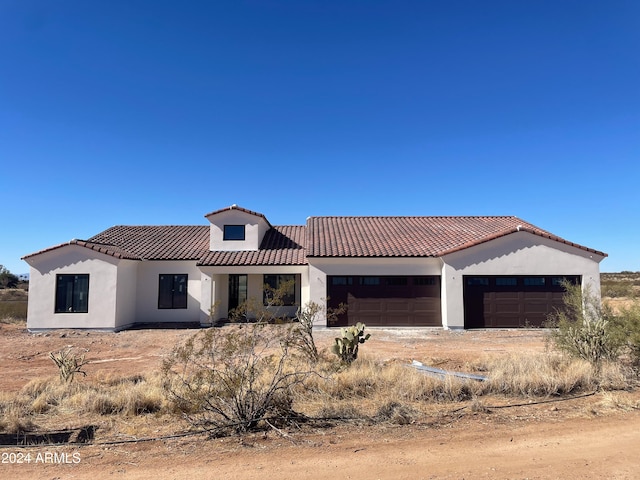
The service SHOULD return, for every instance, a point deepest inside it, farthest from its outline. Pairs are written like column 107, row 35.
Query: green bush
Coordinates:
column 626, row 324
column 617, row 289
column 583, row 327
column 235, row 378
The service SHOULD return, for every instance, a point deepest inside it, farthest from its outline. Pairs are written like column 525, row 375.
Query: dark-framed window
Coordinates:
column 506, row 281
column 342, row 281
column 534, row 281
column 370, row 281
column 72, row 293
column 172, row 290
column 233, row 232
column 481, row 281
column 290, row 283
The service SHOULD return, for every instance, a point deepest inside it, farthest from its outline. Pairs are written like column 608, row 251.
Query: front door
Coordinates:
column 237, row 290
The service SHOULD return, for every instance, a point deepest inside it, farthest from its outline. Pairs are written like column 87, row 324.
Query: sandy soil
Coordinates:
column 589, row 437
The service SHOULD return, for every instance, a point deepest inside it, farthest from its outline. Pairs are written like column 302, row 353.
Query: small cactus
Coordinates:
column 346, row 346
column 68, row 364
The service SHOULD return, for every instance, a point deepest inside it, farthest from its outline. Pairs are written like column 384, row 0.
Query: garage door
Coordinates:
column 512, row 301
column 385, row 300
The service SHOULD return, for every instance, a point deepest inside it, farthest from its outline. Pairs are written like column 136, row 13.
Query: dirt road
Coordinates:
column 579, row 448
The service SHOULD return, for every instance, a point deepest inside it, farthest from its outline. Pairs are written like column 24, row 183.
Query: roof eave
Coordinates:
column 100, row 248
column 521, row 229
column 240, row 209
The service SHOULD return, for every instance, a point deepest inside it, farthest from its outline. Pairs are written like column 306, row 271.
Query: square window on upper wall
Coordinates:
column 233, row 232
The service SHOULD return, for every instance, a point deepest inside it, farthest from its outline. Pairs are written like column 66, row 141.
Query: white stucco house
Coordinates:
column 451, row 272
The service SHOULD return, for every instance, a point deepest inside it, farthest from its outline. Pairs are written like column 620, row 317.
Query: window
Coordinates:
column 506, row 281
column 233, row 232
column 484, row 281
column 424, row 280
column 534, row 281
column 289, row 285
column 342, row 281
column 72, row 293
column 370, row 281
column 396, row 281
column 172, row 292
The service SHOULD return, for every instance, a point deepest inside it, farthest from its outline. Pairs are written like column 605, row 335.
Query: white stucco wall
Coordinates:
column 72, row 259
column 520, row 253
column 148, row 282
column 320, row 268
column 255, row 228
column 127, row 293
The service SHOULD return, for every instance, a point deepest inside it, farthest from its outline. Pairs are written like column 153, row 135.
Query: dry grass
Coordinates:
column 393, row 392
column 125, row 396
column 13, row 305
column 540, row 375
column 371, row 390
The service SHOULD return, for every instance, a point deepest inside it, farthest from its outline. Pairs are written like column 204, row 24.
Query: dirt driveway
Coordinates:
column 589, row 437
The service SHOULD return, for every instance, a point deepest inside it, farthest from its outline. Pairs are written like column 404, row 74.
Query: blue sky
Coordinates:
column 158, row 112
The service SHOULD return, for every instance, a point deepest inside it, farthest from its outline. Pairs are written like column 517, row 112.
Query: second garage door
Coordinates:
column 385, row 300
column 512, row 301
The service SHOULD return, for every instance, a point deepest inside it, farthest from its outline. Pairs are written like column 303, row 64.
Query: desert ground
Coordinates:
column 585, row 436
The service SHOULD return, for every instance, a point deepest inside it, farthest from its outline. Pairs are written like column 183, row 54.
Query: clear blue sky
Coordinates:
column 158, row 112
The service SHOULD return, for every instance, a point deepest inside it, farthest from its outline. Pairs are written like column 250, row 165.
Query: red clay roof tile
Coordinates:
column 409, row 236
column 280, row 246
column 322, row 237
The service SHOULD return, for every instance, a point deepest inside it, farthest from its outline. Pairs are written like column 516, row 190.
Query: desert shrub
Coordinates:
column 583, row 328
column 301, row 337
column 617, row 289
column 626, row 324
column 235, row 378
column 69, row 363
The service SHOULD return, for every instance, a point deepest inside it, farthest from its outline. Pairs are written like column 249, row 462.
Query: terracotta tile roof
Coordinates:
column 409, row 236
column 146, row 242
column 112, row 250
column 282, row 245
column 322, row 237
column 182, row 242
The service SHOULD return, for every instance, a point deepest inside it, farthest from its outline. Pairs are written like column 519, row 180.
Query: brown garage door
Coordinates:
column 385, row 300
column 512, row 301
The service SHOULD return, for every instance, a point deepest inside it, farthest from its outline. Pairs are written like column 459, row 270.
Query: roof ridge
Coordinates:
column 413, row 216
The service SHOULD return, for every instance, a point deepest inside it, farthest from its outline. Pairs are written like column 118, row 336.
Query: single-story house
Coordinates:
column 451, row 272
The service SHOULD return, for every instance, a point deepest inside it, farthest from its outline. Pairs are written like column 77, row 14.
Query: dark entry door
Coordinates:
column 237, row 290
